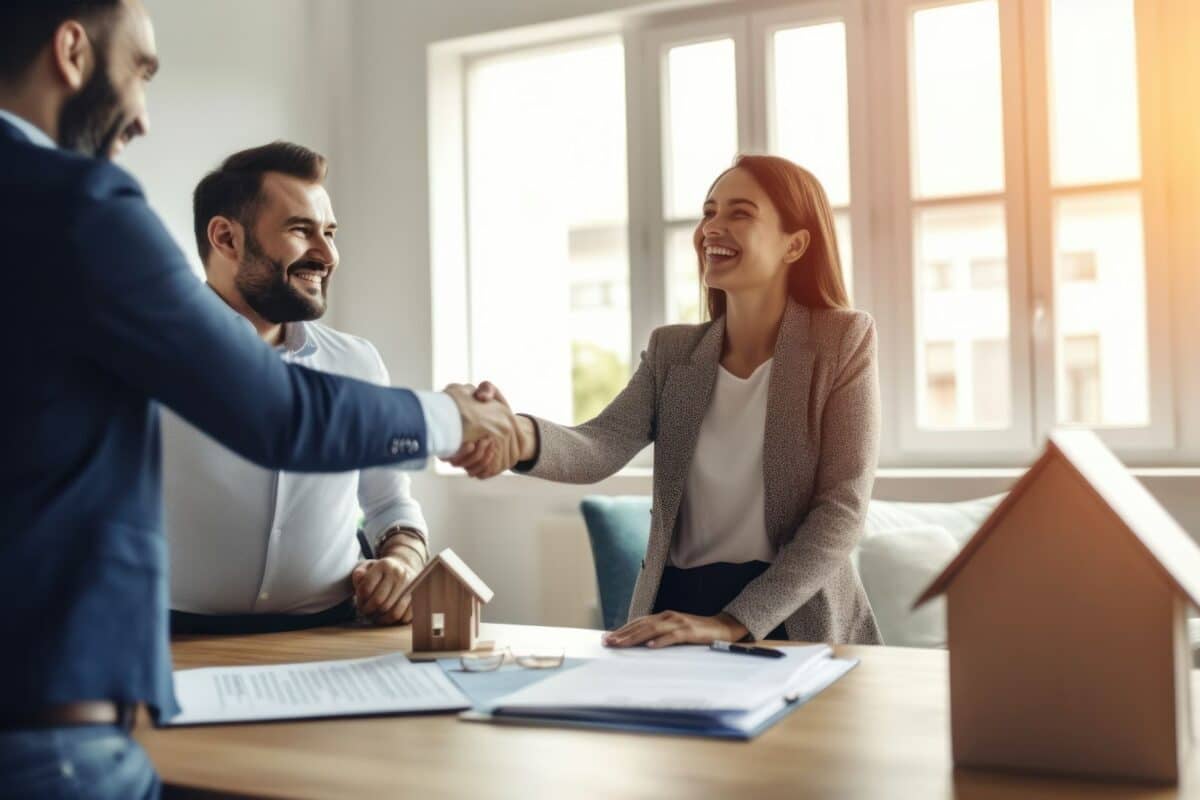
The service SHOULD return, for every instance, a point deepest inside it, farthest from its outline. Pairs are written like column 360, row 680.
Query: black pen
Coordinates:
column 747, row 649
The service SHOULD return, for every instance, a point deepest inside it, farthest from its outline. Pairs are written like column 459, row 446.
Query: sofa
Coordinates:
column 904, row 547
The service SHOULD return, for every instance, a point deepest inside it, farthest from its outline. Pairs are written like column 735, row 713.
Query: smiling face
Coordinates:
column 290, row 255
column 110, row 109
column 740, row 241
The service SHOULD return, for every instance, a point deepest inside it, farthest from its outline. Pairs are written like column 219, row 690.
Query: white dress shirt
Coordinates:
column 246, row 540
column 722, row 516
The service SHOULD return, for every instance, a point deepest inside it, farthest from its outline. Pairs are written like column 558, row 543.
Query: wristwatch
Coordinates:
column 409, row 534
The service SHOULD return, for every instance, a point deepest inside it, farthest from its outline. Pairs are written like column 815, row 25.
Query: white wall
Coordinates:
column 234, row 74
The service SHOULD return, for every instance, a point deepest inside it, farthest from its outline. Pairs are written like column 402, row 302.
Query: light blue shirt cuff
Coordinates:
column 443, row 423
column 32, row 132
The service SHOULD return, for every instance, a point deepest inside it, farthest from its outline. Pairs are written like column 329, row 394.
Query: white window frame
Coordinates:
column 647, row 185
column 448, row 66
column 648, row 102
column 881, row 203
column 763, row 27
column 1028, row 202
column 1018, row 436
column 1159, row 435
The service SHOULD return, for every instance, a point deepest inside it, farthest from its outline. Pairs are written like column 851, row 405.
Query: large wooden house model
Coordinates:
column 1066, row 616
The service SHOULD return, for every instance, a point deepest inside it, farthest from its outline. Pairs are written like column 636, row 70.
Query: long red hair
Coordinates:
column 816, row 279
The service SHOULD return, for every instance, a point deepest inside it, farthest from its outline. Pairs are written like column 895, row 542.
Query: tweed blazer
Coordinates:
column 820, row 446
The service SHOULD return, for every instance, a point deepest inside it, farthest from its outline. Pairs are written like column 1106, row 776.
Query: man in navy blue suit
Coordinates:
column 103, row 321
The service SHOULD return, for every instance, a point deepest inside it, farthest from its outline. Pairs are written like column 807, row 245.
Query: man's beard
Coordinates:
column 263, row 282
column 91, row 120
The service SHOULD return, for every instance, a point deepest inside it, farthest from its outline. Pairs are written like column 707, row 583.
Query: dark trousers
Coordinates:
column 705, row 591
column 183, row 622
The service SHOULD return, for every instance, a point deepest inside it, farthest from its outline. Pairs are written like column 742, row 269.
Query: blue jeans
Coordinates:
column 82, row 761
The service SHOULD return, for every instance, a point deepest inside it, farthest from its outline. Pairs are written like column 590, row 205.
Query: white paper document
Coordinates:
column 388, row 684
column 678, row 679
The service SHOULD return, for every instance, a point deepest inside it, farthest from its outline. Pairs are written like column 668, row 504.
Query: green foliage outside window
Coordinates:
column 597, row 375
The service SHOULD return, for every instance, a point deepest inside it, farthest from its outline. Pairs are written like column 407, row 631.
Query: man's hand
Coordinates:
column 491, row 452
column 380, row 588
column 674, row 627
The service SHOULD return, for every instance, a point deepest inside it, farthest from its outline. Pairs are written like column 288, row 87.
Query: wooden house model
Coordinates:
column 1066, row 617
column 447, row 598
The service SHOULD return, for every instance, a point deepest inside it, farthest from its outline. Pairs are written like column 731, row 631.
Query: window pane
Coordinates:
column 941, row 385
column 1081, row 379
column 547, row 218
column 1079, row 266
column 958, row 123
column 990, row 386
column 1094, row 96
column 599, row 316
column 684, row 297
column 1100, row 309
column 963, row 352
column 810, row 118
column 701, row 126
column 989, row 273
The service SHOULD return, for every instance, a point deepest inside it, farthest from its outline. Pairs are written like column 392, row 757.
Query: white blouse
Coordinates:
column 722, row 515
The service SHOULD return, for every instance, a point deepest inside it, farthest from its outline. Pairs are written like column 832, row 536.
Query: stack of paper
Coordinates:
column 357, row 687
column 688, row 690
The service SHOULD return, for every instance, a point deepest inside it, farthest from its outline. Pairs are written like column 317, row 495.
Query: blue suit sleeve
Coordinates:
column 149, row 322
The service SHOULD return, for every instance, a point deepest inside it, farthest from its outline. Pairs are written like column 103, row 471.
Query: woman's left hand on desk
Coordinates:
column 673, row 627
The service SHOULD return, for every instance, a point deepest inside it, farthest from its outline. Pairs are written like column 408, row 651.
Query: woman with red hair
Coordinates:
column 765, row 424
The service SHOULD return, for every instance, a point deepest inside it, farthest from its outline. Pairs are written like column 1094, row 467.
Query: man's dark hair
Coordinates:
column 26, row 26
column 234, row 189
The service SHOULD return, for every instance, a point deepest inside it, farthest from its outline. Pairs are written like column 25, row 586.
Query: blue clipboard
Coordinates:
column 484, row 688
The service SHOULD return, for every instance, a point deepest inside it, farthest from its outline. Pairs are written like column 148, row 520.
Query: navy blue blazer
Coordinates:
column 103, row 318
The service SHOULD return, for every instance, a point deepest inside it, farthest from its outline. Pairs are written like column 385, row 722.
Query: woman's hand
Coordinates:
column 673, row 627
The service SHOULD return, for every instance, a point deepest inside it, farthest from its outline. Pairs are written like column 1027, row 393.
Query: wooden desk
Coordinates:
column 881, row 731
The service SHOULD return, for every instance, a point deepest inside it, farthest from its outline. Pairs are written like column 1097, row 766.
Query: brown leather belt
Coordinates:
column 89, row 712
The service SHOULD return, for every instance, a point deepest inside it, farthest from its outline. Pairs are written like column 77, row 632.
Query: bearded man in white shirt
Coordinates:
column 254, row 550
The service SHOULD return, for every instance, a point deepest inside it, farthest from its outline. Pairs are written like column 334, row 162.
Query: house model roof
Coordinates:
column 459, row 569
column 1171, row 548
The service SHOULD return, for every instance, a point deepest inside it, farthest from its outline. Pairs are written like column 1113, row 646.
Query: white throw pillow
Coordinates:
column 960, row 519
column 896, row 566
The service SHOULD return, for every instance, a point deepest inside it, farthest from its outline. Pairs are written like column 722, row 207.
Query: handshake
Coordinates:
column 494, row 439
